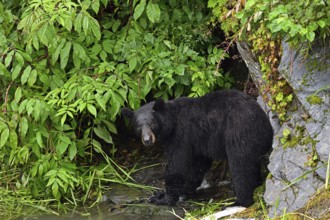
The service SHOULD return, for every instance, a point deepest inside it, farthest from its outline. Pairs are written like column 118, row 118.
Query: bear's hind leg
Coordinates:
column 246, row 177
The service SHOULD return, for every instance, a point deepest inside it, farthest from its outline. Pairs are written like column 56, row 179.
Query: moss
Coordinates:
column 289, row 140
column 318, row 206
column 305, row 81
column 294, row 141
column 314, row 99
column 298, row 137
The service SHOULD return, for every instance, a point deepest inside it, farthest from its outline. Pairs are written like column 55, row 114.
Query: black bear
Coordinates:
column 225, row 124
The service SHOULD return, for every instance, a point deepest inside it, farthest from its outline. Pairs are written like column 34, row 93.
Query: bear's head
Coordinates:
column 152, row 122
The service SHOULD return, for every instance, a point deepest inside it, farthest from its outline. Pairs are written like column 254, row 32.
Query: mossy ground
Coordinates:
column 319, row 206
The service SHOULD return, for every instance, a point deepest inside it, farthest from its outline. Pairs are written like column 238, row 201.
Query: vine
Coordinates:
column 268, row 52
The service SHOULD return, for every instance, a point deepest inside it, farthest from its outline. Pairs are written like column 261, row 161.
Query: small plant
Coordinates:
column 314, row 99
column 286, row 135
column 312, row 160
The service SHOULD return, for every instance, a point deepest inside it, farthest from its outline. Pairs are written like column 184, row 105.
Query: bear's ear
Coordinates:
column 159, row 105
column 127, row 112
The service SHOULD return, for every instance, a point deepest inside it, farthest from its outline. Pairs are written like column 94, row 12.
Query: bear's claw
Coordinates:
column 161, row 198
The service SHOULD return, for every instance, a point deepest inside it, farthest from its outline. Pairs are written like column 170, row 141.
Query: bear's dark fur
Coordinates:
column 225, row 124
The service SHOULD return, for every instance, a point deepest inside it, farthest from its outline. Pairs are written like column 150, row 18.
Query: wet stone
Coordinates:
column 121, row 194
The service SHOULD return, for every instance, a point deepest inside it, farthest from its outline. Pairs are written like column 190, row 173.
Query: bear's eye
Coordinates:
column 153, row 126
column 138, row 130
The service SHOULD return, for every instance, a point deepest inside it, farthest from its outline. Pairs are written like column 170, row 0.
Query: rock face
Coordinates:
column 298, row 165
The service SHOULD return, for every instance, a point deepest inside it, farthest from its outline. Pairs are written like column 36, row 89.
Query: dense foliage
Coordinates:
column 264, row 24
column 67, row 67
column 296, row 21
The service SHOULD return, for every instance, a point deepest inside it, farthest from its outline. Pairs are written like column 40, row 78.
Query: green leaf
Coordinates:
column 95, row 6
column 57, row 52
column 16, row 71
column 63, row 175
column 133, row 99
column 115, row 106
column 65, row 54
column 37, row 110
column 59, row 181
column 4, row 137
column 103, row 55
column 42, row 34
column 9, row 58
column 55, row 191
column 61, row 147
column 85, row 5
column 97, row 146
column 139, row 9
column 303, row 31
column 116, row 25
column 279, row 97
column 91, row 109
column 72, row 151
column 63, row 119
column 33, row 77
column 68, row 23
column 286, row 132
column 94, row 24
column 26, row 56
column 78, row 22
column 82, row 106
column 180, row 70
column 18, row 94
column 101, row 101
column 85, row 24
column 321, row 23
column 23, row 127
column 26, row 75
column 65, row 139
column 132, row 63
column 76, row 60
column 111, row 127
column 103, row 133
column 108, row 45
column 51, row 173
column 79, row 54
column 39, row 139
column 168, row 44
column 79, row 50
column 51, row 181
column 30, row 106
column 250, row 4
column 13, row 139
column 310, row 36
column 23, row 23
column 3, row 70
column 19, row 58
column 174, row 3
column 153, row 12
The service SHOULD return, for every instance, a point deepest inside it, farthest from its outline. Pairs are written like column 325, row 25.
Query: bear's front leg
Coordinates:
column 174, row 189
column 175, row 178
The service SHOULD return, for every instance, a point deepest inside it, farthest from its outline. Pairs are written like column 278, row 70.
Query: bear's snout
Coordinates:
column 147, row 136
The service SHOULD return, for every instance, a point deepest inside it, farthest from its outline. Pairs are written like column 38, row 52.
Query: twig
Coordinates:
column 246, row 83
column 226, row 51
column 6, row 98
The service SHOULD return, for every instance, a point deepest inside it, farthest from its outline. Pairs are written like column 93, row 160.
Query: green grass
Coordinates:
column 13, row 204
